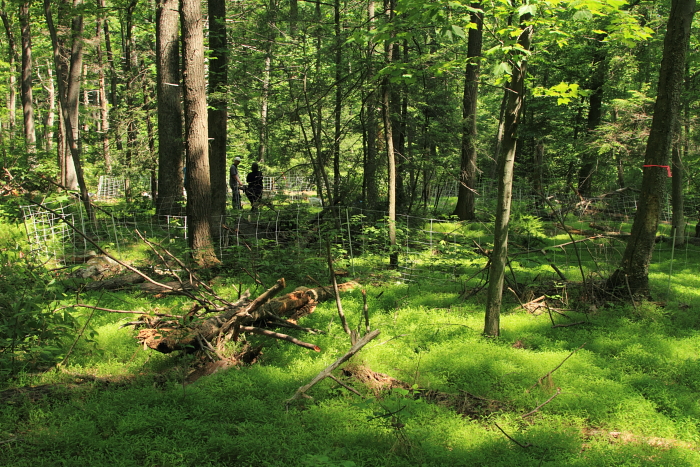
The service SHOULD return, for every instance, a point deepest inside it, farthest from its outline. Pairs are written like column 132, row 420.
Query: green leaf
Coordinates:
column 583, row 15
column 502, row 68
column 458, row 31
column 527, row 9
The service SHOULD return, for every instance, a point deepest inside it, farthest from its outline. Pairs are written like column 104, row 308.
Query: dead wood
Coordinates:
column 169, row 336
column 464, row 403
column 116, row 283
column 329, row 369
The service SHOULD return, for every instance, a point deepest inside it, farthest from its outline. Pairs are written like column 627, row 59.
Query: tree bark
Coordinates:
column 218, row 65
column 389, row 135
column 12, row 61
column 506, row 159
column 595, row 116
column 467, row 173
column 69, row 96
column 370, row 187
column 633, row 273
column 102, row 90
column 170, row 144
column 677, row 202
column 27, row 96
column 199, row 229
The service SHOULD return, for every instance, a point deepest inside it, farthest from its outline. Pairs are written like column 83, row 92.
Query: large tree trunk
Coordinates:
column 506, row 160
column 27, row 97
column 170, row 144
column 633, row 272
column 218, row 65
column 196, row 144
column 467, row 173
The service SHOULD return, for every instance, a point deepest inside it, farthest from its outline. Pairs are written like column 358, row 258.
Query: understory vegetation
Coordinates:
column 577, row 378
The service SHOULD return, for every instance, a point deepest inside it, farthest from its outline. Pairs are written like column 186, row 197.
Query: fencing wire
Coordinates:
column 431, row 250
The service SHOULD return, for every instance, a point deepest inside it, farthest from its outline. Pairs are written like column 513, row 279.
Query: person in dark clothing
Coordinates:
column 255, row 186
column 234, row 182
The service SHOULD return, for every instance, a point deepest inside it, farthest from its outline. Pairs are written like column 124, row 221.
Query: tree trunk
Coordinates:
column 130, row 70
column 270, row 32
column 595, row 116
column 389, row 135
column 371, row 163
column 677, row 204
column 338, row 60
column 70, row 96
column 170, row 144
column 467, row 173
column 506, row 160
column 218, row 65
column 102, row 90
column 51, row 110
column 12, row 59
column 633, row 272
column 196, row 144
column 27, row 96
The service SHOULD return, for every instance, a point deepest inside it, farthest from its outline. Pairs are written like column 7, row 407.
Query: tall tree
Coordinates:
column 170, row 144
column 196, row 144
column 389, row 135
column 12, row 60
column 102, row 87
column 69, row 89
column 633, row 273
column 467, row 173
column 371, row 155
column 515, row 94
column 218, row 114
column 27, row 95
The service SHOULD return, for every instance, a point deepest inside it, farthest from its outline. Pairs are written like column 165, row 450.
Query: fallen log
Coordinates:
column 169, row 336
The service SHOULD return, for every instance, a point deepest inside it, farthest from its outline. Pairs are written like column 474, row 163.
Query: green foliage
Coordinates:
column 32, row 328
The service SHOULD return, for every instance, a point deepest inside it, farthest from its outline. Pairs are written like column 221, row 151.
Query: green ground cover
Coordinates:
column 624, row 390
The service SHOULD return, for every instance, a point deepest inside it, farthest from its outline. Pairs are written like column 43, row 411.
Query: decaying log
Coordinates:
column 240, row 316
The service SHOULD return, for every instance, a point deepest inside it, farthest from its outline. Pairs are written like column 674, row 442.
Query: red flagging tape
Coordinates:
column 668, row 169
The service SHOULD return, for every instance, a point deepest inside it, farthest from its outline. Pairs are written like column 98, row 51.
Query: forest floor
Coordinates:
column 571, row 381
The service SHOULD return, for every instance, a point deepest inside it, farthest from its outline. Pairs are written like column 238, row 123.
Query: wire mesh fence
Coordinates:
column 429, row 250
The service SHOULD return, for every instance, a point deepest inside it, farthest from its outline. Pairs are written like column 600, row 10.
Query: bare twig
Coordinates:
column 524, row 446
column 338, row 303
column 536, row 409
column 365, row 310
column 127, row 266
column 254, row 305
column 539, row 381
column 277, row 335
column 349, row 388
column 82, row 305
column 566, row 325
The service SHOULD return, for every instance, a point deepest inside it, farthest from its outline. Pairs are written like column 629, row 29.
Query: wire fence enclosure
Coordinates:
column 430, row 250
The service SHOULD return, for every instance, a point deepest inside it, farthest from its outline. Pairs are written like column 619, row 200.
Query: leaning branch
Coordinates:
column 327, row 371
